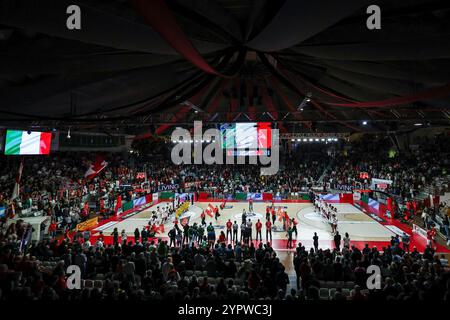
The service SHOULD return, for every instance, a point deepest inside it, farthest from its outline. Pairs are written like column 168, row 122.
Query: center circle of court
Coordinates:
column 251, row 216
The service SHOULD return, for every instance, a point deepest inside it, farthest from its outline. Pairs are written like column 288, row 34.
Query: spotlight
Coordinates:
column 304, row 140
column 417, row 124
column 335, row 139
column 364, row 123
column 299, row 140
column 310, row 140
column 322, row 139
column 316, row 139
column 68, row 134
column 292, row 140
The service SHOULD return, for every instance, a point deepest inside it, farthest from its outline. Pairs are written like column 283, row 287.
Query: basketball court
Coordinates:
column 361, row 227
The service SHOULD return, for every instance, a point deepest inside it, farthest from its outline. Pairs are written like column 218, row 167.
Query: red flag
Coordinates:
column 98, row 165
column 118, row 205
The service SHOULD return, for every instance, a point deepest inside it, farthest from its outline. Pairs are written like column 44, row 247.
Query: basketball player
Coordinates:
column 229, row 228
column 258, row 226
column 334, row 223
column 165, row 215
column 274, row 216
column 250, row 205
column 268, row 230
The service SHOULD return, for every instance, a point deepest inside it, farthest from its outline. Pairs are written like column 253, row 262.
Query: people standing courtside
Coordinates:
column 268, row 230
column 316, row 242
column 337, row 241
column 258, row 226
column 235, row 231
column 229, row 229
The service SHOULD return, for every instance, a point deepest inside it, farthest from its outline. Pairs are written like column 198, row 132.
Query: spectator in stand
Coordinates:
column 446, row 223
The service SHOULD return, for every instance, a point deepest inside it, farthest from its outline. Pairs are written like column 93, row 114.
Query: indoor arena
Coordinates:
column 193, row 152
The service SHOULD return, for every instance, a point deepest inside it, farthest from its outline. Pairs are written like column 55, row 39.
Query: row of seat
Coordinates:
column 337, row 284
column 98, row 283
column 329, row 293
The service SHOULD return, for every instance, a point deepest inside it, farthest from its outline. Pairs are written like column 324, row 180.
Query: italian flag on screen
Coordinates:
column 27, row 142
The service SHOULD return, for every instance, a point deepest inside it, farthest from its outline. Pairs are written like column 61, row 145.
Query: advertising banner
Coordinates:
column 241, row 196
column 88, row 224
column 168, row 187
column 342, row 187
column 255, row 196
column 382, row 182
column 420, row 231
column 139, row 202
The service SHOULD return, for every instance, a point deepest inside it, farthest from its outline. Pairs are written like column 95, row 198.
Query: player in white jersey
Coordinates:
column 334, row 223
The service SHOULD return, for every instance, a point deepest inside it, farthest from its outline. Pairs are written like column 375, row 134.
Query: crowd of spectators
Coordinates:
column 404, row 275
column 150, row 271
column 154, row 271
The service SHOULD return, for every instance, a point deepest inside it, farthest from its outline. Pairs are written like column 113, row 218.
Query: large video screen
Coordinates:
column 27, row 142
column 246, row 135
